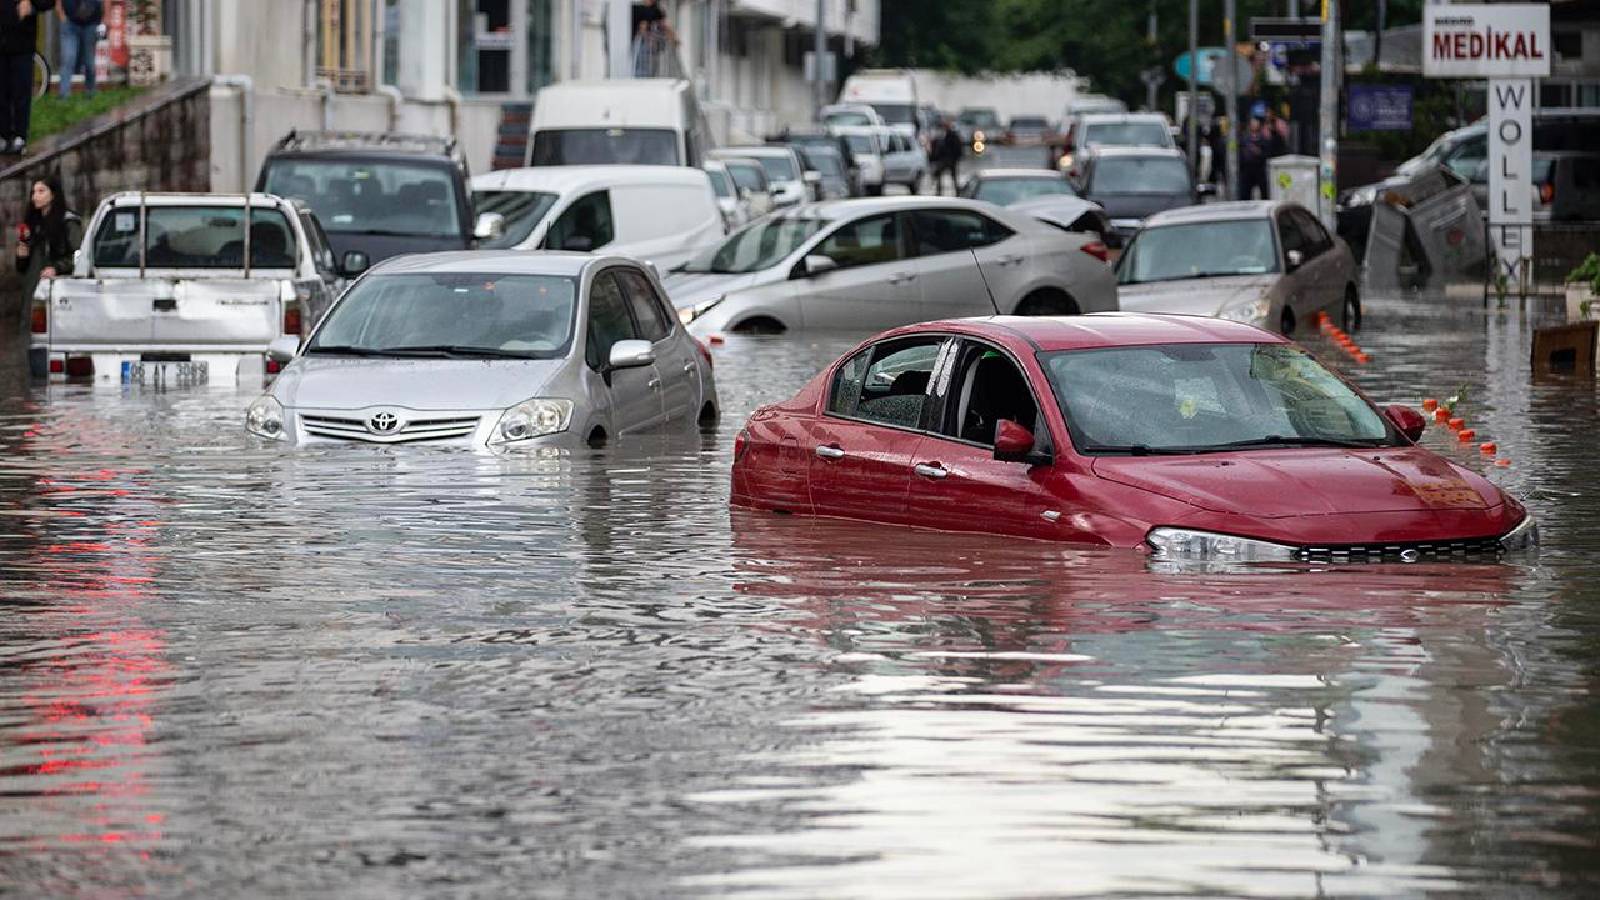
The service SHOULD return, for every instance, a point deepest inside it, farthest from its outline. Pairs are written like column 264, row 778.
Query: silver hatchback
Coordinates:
column 497, row 350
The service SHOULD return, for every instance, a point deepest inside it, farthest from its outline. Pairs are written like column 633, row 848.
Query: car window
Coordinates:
column 321, row 253
column 361, row 196
column 1289, row 236
column 648, row 311
column 528, row 316
column 1139, row 175
column 865, row 242
column 887, row 383
column 523, row 211
column 609, row 320
column 987, row 388
column 586, row 225
column 1006, row 191
column 194, row 237
column 748, row 176
column 1470, row 161
column 1312, row 233
column 954, row 230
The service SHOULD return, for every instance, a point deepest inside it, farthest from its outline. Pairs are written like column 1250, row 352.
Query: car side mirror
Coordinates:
column 490, row 227
column 1409, row 421
column 355, row 263
column 1013, row 443
column 631, row 355
column 283, row 348
column 817, row 264
column 1295, row 259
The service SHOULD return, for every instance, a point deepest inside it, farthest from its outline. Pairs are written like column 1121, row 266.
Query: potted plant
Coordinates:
column 1582, row 285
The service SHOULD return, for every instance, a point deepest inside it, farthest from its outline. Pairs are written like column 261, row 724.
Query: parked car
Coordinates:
column 851, row 115
column 892, row 94
column 660, row 214
column 1131, row 184
column 1029, row 130
column 873, row 263
column 632, row 121
column 177, row 288
column 1069, row 212
column 1269, row 264
column 1088, row 132
column 376, row 195
column 1084, row 104
column 869, row 147
column 800, row 140
column 733, row 203
column 1566, row 186
column 979, row 125
column 785, row 174
column 751, row 179
column 832, row 180
column 1004, row 187
column 1188, row 438
column 904, row 162
column 501, row 350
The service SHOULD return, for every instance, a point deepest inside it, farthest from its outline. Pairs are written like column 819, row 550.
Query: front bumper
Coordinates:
column 390, row 426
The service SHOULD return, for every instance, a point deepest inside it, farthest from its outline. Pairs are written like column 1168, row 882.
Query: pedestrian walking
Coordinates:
column 19, row 37
column 947, row 155
column 651, row 32
column 1277, row 131
column 1253, row 150
column 80, row 32
column 46, row 240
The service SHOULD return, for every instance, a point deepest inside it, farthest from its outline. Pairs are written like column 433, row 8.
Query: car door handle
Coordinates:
column 827, row 451
column 688, row 368
column 655, row 384
column 165, row 304
column 902, row 278
column 931, row 470
column 1009, row 260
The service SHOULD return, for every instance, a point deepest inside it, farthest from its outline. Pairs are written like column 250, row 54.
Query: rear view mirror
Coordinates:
column 283, row 348
column 1409, row 421
column 491, row 226
column 631, row 355
column 1012, row 442
column 817, row 264
column 355, row 263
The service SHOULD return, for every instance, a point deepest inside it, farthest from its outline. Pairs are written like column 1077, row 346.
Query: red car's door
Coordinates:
column 860, row 447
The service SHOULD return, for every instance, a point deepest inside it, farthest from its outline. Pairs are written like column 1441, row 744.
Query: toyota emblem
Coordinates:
column 384, row 423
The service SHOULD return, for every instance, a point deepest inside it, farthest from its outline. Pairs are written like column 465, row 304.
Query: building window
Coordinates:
column 1568, row 45
column 344, row 44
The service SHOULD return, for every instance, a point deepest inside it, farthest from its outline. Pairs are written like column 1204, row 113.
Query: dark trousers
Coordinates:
column 16, row 94
column 1251, row 177
column 953, row 167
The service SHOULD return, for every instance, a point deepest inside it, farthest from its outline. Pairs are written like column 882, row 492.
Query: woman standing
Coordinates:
column 46, row 240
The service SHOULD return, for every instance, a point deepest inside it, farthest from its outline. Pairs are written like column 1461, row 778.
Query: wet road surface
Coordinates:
column 352, row 672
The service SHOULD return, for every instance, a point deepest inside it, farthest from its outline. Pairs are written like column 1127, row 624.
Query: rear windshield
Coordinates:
column 1133, row 175
column 1030, row 122
column 1128, row 134
column 606, row 147
column 194, row 237
column 863, row 144
column 1006, row 191
column 826, row 163
column 372, row 197
column 524, row 210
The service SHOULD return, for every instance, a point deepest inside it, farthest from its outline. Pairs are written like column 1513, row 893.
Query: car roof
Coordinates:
column 750, row 150
column 1101, row 118
column 1102, row 151
column 495, row 262
column 1100, row 330
column 366, row 143
column 1230, row 211
column 1018, row 173
column 561, row 179
column 840, row 209
column 179, row 198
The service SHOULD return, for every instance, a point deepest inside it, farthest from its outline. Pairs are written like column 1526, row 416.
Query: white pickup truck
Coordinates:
column 175, row 288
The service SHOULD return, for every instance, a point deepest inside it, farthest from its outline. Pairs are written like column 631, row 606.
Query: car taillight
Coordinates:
column 58, row 366
column 1098, row 250
column 291, row 320
column 273, row 367
column 1547, row 193
column 705, row 352
column 39, row 322
column 80, row 367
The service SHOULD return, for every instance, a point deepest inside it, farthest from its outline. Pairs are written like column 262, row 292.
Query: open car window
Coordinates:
column 986, row 386
column 887, row 383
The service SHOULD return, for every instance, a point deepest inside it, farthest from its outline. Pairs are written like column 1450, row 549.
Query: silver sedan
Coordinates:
column 496, row 350
column 1269, row 264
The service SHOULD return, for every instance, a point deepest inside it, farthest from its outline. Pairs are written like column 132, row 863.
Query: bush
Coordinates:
column 1588, row 271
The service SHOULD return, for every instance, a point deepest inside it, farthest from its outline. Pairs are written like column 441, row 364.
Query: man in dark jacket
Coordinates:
column 947, row 152
column 19, row 37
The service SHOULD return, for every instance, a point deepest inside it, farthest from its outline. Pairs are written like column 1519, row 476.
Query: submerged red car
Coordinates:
column 1194, row 438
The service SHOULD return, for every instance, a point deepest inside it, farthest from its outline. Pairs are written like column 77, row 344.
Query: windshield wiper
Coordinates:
column 456, row 350
column 387, row 232
column 1278, row 440
column 1139, row 450
column 345, row 350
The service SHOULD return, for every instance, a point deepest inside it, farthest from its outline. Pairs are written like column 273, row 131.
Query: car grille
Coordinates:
column 348, row 429
column 1405, row 551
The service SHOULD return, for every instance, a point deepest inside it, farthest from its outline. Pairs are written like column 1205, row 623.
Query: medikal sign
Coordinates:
column 1503, row 40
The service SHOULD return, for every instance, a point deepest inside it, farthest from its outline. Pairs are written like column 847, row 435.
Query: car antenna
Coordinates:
column 990, row 291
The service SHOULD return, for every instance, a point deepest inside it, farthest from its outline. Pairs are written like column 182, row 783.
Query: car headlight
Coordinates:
column 532, row 419
column 264, row 418
column 1522, row 538
column 690, row 313
column 1252, row 311
column 1181, row 543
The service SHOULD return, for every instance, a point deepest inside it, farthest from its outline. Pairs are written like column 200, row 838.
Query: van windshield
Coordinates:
column 363, row 197
column 194, row 237
column 606, row 147
column 524, row 210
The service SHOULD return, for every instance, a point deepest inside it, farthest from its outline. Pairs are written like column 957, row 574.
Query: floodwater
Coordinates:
column 235, row 671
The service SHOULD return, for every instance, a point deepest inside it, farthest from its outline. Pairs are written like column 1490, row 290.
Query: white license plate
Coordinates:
column 165, row 374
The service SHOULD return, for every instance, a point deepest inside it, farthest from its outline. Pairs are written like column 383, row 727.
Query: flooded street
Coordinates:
column 231, row 670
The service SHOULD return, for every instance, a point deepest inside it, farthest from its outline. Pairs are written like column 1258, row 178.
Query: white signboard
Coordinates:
column 1511, row 168
column 1503, row 40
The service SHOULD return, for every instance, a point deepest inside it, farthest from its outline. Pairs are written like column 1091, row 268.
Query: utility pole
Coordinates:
column 820, row 87
column 1230, row 58
column 1150, row 83
column 1194, row 97
column 1329, row 113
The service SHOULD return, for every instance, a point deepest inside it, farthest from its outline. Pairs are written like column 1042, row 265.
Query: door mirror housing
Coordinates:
column 354, row 264
column 817, row 264
column 1014, row 443
column 1295, row 259
column 490, row 226
column 631, row 355
column 283, row 348
column 1409, row 421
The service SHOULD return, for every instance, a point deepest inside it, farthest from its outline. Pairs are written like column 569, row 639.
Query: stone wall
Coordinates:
column 159, row 142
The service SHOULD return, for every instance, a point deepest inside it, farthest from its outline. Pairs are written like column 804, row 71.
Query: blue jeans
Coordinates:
column 77, row 51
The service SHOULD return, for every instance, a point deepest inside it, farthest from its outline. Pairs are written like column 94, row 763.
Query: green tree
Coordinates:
column 958, row 35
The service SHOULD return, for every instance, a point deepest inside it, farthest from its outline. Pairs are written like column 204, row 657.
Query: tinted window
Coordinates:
column 1005, row 191
column 748, row 176
column 1133, row 175
column 358, row 197
column 1314, row 235
column 865, row 242
column 1128, row 134
column 864, row 144
column 609, row 320
column 952, row 230
column 648, row 311
column 987, row 388
column 606, row 147
column 320, row 251
column 585, row 226
column 887, row 383
column 524, row 210
column 1290, row 236
column 194, row 237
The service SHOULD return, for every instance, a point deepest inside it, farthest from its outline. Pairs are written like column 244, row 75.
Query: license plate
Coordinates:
column 165, row 374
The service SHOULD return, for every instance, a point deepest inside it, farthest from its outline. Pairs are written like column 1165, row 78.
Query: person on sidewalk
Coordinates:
column 1253, row 150
column 80, row 32
column 19, row 37
column 947, row 158
column 46, row 240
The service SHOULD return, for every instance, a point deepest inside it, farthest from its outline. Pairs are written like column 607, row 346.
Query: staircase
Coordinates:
column 511, row 139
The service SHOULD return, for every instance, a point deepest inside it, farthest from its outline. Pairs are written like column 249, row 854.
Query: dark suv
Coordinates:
column 377, row 195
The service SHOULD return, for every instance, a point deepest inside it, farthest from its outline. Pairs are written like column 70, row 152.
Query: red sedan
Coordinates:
column 1194, row 438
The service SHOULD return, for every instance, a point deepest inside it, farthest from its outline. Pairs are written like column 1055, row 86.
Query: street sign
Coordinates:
column 1503, row 40
column 1208, row 57
column 1511, row 169
column 1268, row 28
column 1379, row 107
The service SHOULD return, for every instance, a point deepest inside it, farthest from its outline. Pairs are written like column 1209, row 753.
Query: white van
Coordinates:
column 892, row 93
column 634, row 121
column 662, row 215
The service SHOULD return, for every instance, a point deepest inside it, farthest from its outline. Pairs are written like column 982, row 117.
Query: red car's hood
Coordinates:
column 1271, row 484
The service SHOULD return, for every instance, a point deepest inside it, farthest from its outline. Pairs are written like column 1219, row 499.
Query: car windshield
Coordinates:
column 1028, row 123
column 719, row 182
column 748, row 176
column 862, row 144
column 1198, row 398
column 193, row 237
column 1127, row 134
column 759, row 246
column 778, row 168
column 1199, row 250
column 452, row 315
column 524, row 210
column 1133, row 175
column 848, row 118
column 826, row 163
column 1005, row 191
column 606, row 147
column 362, row 197
column 980, row 118
column 896, row 113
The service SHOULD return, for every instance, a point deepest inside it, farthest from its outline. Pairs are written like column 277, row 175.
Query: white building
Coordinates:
column 453, row 66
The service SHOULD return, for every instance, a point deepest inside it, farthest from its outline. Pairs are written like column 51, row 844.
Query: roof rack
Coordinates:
column 361, row 140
